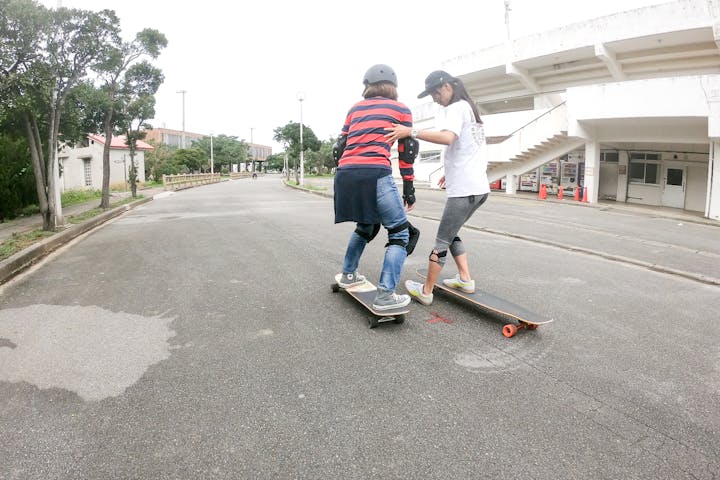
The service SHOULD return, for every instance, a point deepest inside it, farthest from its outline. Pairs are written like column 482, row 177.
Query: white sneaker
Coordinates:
column 415, row 289
column 460, row 284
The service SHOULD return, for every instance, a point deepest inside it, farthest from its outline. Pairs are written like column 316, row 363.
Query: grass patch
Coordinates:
column 314, row 188
column 73, row 197
column 19, row 241
column 307, row 186
column 93, row 212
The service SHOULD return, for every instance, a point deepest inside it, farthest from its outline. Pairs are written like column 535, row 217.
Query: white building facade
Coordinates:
column 82, row 167
column 626, row 106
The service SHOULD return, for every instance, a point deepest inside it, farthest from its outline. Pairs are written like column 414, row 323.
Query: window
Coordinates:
column 675, row 176
column 609, row 157
column 88, row 172
column 644, row 168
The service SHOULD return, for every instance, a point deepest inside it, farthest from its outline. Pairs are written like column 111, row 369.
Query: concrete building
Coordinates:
column 626, row 106
column 82, row 167
column 173, row 138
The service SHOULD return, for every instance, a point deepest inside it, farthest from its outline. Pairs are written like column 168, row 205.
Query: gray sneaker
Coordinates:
column 386, row 300
column 347, row 280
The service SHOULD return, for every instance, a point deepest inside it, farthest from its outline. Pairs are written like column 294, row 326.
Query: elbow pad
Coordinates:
column 408, row 149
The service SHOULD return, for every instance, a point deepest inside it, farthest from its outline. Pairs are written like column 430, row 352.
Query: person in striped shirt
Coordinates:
column 365, row 190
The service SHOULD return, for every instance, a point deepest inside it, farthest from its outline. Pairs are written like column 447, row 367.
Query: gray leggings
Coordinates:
column 458, row 210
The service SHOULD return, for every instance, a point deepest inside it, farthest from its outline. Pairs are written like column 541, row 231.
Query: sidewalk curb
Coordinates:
column 25, row 258
column 607, row 256
column 697, row 277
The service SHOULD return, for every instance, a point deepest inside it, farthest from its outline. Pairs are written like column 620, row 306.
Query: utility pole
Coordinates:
column 183, row 116
column 507, row 18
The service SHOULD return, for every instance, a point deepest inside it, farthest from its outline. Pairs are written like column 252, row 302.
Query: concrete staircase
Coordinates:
column 536, row 143
column 543, row 139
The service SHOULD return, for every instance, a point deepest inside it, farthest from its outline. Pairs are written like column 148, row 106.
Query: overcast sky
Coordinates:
column 243, row 63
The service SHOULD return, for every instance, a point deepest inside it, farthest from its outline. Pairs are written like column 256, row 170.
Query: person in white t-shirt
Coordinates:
column 460, row 128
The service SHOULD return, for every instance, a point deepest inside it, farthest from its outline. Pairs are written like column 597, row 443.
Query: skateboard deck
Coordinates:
column 365, row 294
column 522, row 318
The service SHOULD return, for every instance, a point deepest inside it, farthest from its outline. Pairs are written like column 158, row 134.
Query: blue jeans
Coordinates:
column 392, row 214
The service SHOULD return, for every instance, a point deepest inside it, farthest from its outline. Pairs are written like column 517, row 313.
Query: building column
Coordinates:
column 712, row 205
column 511, row 184
column 623, row 175
column 592, row 170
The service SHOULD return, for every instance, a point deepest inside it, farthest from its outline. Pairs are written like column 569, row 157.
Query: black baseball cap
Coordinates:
column 435, row 80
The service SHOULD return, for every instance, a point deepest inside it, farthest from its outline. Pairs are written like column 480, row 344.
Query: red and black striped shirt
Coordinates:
column 365, row 128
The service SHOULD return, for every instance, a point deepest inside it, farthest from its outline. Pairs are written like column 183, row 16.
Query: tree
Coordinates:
column 68, row 42
column 289, row 135
column 275, row 162
column 142, row 81
column 191, row 158
column 227, row 150
column 321, row 159
column 159, row 161
column 116, row 86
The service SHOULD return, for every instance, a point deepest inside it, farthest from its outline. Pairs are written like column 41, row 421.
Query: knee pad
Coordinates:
column 414, row 237
column 368, row 236
column 441, row 254
column 402, row 243
column 457, row 247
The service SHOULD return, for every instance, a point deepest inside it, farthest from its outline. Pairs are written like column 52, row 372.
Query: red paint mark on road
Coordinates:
column 436, row 318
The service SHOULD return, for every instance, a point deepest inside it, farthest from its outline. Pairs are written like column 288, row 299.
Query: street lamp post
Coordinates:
column 301, row 97
column 252, row 150
column 212, row 158
column 183, row 116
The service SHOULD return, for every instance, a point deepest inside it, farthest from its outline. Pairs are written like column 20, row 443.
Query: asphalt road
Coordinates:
column 197, row 337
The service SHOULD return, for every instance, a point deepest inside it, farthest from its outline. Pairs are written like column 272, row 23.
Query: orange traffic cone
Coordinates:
column 561, row 195
column 542, row 195
column 585, row 195
column 576, row 197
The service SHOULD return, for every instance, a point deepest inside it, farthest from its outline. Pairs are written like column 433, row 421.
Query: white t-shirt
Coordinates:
column 465, row 158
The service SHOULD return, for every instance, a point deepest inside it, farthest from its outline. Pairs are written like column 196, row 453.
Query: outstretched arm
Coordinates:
column 443, row 137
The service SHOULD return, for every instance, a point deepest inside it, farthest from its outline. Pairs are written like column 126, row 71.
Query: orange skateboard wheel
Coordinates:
column 509, row 330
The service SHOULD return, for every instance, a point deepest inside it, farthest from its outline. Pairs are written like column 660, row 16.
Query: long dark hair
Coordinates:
column 459, row 93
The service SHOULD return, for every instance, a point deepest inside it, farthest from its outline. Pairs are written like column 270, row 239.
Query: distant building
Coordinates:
column 172, row 138
column 258, row 153
column 82, row 167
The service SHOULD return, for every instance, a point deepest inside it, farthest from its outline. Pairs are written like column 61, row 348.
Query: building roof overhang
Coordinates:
column 673, row 39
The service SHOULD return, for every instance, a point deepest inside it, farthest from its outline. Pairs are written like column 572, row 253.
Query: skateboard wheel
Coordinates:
column 335, row 287
column 400, row 319
column 374, row 322
column 509, row 330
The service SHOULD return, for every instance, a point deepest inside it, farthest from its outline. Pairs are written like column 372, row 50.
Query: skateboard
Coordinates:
column 365, row 294
column 521, row 317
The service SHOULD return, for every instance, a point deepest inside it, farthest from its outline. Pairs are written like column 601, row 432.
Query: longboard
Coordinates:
column 522, row 318
column 365, row 294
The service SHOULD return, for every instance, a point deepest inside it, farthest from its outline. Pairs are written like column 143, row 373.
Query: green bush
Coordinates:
column 17, row 181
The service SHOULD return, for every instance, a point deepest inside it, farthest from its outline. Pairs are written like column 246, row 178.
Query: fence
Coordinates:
column 178, row 182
